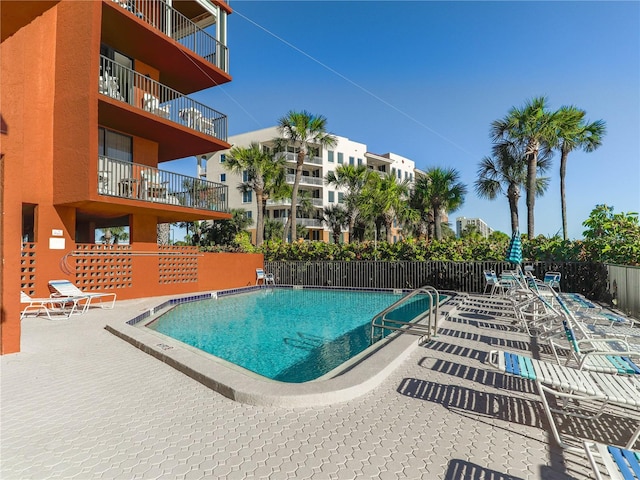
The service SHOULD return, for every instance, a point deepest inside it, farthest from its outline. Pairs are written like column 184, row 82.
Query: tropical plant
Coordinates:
column 612, row 237
column 223, row 232
column 384, row 200
column 574, row 132
column 445, row 194
column 506, row 173
column 534, row 128
column 352, row 179
column 336, row 218
column 114, row 235
column 304, row 131
column 264, row 174
column 419, row 202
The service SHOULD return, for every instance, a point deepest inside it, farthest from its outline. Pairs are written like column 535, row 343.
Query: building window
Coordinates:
column 352, row 161
column 393, row 172
column 115, row 145
column 248, row 214
column 340, row 197
column 330, row 156
column 411, row 176
column 245, row 176
column 223, row 177
column 332, row 196
column 359, row 161
column 399, row 174
column 340, row 157
column 223, row 158
column 247, row 197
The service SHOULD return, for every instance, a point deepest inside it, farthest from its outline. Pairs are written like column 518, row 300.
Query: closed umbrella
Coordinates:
column 514, row 252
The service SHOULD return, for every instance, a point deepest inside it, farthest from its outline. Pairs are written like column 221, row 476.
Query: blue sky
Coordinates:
column 426, row 79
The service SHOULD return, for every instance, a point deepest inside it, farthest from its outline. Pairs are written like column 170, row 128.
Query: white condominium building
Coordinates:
column 317, row 164
column 482, row 228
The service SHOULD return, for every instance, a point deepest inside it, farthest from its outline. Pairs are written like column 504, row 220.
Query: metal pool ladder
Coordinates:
column 415, row 326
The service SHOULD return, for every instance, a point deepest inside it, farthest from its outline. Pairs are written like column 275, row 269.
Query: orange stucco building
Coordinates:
column 95, row 96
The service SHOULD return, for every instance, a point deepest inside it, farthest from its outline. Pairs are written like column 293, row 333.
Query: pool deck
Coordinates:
column 80, row 403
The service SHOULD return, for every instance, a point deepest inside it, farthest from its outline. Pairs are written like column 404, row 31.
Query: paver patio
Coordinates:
column 78, row 402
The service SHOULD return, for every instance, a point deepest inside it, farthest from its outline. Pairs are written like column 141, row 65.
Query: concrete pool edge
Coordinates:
column 357, row 380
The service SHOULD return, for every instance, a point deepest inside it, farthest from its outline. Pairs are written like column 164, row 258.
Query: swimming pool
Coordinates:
column 283, row 334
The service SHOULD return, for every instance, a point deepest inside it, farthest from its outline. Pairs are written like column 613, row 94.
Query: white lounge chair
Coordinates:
column 618, row 463
column 151, row 104
column 266, row 278
column 64, row 288
column 570, row 384
column 66, row 306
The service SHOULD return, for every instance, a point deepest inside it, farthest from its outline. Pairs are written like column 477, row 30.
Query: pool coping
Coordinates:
column 357, row 379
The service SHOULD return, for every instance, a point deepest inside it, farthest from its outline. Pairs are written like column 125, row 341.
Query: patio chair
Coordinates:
column 618, row 463
column 266, row 278
column 66, row 306
column 153, row 188
column 151, row 103
column 569, row 385
column 64, row 288
column 553, row 280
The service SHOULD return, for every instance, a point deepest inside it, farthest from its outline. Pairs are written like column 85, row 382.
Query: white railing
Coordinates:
column 175, row 25
column 305, row 180
column 126, row 85
column 293, row 157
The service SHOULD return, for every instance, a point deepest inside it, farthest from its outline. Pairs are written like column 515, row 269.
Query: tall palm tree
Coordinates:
column 303, row 131
column 353, row 179
column 335, row 217
column 446, row 193
column 264, row 172
column 384, row 199
column 574, row 132
column 420, row 203
column 532, row 126
column 506, row 173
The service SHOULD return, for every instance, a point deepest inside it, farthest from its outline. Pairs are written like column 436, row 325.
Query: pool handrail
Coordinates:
column 414, row 327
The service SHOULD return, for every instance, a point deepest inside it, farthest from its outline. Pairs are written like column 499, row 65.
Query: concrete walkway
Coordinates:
column 79, row 403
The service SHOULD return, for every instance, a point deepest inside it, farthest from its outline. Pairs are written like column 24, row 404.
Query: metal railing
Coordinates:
column 293, row 157
column 395, row 317
column 305, row 222
column 140, row 91
column 624, row 287
column 122, row 179
column 304, row 180
column 316, row 202
column 175, row 25
column 589, row 279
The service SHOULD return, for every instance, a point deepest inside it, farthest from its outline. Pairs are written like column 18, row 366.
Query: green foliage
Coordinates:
column 612, row 237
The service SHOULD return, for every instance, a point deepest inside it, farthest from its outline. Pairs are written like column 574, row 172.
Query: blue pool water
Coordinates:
column 283, row 334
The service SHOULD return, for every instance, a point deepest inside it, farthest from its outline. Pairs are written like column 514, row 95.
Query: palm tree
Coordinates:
column 446, row 193
column 384, row 200
column 421, row 205
column 506, row 173
column 335, row 217
column 352, row 179
column 264, row 173
column 574, row 133
column 533, row 127
column 303, row 131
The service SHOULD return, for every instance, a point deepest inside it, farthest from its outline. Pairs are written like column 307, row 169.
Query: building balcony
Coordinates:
column 166, row 19
column 293, row 158
column 305, row 180
column 127, row 180
column 305, row 222
column 139, row 91
column 316, row 202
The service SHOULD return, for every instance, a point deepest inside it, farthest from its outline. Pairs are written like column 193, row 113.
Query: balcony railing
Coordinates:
column 293, row 157
column 316, row 202
column 122, row 179
column 305, row 222
column 140, row 91
column 174, row 24
column 305, row 180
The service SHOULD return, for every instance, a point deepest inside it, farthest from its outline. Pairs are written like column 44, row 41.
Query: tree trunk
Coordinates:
column 260, row 218
column 563, row 198
column 437, row 224
column 294, row 195
column 513, row 195
column 532, row 168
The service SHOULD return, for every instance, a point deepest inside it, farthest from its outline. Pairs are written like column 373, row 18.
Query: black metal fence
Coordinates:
column 589, row 279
